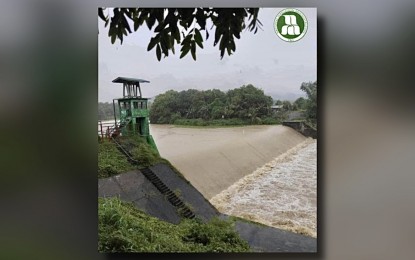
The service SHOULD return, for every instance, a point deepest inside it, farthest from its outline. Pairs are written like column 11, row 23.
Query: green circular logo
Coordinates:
column 290, row 25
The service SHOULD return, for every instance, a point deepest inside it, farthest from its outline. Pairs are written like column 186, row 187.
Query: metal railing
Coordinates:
column 106, row 129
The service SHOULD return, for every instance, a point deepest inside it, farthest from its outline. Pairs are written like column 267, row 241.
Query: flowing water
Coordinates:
column 282, row 193
column 222, row 164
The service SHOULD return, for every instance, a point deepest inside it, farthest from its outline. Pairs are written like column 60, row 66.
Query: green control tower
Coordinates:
column 133, row 111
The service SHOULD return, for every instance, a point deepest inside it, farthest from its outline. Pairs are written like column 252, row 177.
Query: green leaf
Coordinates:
column 164, row 48
column 101, row 15
column 193, row 50
column 187, row 39
column 165, row 39
column 200, row 44
column 185, row 49
column 111, row 31
column 136, row 24
column 229, row 49
column 223, row 42
column 151, row 20
column 183, row 24
column 153, row 42
column 201, row 18
column 176, row 34
column 171, row 39
column 159, row 27
column 222, row 53
column 124, row 23
column 113, row 37
column 158, row 52
column 198, row 36
column 233, row 47
column 217, row 36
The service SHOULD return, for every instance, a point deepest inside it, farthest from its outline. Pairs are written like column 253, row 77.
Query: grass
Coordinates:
column 110, row 160
column 140, row 150
column 123, row 228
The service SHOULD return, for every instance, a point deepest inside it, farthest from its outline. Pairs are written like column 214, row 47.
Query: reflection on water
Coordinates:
column 282, row 193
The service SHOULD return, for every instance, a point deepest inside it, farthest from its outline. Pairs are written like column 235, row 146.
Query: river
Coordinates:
column 267, row 174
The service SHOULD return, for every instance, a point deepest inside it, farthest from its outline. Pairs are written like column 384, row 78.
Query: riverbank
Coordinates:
column 226, row 122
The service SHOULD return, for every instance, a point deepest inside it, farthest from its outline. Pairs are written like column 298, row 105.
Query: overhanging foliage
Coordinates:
column 181, row 26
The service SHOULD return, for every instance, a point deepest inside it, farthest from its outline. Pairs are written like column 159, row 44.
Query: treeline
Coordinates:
column 310, row 105
column 106, row 111
column 244, row 105
column 298, row 104
column 307, row 106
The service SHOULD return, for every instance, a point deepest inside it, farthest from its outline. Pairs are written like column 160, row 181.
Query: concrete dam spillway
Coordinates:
column 281, row 194
column 213, row 159
column 262, row 173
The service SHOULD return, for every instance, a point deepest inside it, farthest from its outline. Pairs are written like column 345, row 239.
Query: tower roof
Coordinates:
column 129, row 80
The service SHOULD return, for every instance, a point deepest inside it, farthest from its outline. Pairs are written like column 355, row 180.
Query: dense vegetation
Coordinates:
column 106, row 111
column 306, row 106
column 244, row 105
column 167, row 25
column 310, row 89
column 123, row 228
column 140, row 150
column 111, row 161
column 297, row 105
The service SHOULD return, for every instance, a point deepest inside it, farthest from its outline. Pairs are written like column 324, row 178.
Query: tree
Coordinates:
column 182, row 26
column 287, row 106
column 310, row 88
column 300, row 103
column 278, row 102
column 247, row 103
column 106, row 111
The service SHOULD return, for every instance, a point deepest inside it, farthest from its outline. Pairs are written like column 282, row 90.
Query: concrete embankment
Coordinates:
column 302, row 127
column 213, row 159
column 134, row 187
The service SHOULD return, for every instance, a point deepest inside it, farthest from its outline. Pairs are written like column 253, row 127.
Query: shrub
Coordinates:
column 140, row 150
column 110, row 160
column 123, row 228
column 270, row 121
column 145, row 155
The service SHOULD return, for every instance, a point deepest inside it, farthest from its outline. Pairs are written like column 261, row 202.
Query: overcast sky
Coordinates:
column 260, row 59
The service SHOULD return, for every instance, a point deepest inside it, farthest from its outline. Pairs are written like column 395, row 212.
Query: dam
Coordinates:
column 267, row 174
column 256, row 172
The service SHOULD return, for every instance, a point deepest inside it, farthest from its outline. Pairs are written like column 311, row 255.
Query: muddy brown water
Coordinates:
column 263, row 173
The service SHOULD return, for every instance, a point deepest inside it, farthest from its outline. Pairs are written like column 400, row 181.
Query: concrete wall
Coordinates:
column 213, row 159
column 302, row 127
